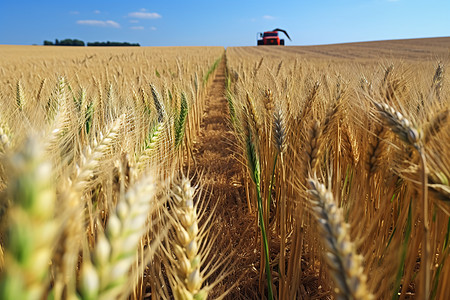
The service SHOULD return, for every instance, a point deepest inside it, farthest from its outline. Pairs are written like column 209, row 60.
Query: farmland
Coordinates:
column 314, row 172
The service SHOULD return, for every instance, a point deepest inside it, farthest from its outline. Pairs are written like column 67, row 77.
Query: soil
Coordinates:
column 222, row 177
column 213, row 150
column 221, row 174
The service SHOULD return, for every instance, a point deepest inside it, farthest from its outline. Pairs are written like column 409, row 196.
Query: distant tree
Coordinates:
column 65, row 42
column 78, row 43
column 112, row 44
column 70, row 42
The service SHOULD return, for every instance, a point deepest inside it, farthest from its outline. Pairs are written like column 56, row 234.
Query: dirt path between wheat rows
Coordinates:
column 215, row 152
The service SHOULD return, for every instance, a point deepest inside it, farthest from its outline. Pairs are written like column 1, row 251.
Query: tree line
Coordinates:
column 76, row 42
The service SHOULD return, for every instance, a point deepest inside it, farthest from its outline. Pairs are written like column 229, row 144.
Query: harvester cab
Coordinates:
column 271, row 37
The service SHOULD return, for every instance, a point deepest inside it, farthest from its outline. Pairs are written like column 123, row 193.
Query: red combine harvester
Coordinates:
column 271, row 37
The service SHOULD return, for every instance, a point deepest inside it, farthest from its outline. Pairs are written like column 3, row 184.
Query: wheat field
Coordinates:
column 317, row 172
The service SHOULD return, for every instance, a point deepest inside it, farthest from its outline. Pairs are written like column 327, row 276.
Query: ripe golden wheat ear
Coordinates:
column 115, row 252
column 345, row 265
column 186, row 278
column 4, row 141
column 409, row 134
column 187, row 254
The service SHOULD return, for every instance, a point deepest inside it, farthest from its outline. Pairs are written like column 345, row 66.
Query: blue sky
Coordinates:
column 220, row 23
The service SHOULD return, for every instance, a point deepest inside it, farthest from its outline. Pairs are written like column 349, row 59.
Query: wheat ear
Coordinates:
column 404, row 129
column 4, row 141
column 313, row 148
column 158, row 103
column 279, row 129
column 180, row 125
column 253, row 115
column 91, row 160
column 115, row 251
column 53, row 104
column 41, row 88
column 401, row 126
column 254, row 167
column 186, row 280
column 20, row 96
column 438, row 80
column 32, row 229
column 344, row 264
column 436, row 124
column 151, row 144
column 376, row 148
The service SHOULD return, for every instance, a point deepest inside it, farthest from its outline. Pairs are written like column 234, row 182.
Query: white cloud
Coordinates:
column 74, row 12
column 144, row 15
column 99, row 23
column 137, row 27
column 267, row 17
column 153, row 28
column 134, row 21
column 97, row 11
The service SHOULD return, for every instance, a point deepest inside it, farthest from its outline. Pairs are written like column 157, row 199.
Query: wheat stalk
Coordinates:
column 280, row 133
column 255, row 173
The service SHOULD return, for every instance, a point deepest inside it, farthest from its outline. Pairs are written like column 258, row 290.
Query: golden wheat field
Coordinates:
column 312, row 172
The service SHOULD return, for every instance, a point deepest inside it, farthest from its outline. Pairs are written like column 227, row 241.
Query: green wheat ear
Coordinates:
column 231, row 107
column 89, row 117
column 180, row 125
column 31, row 232
column 255, row 172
